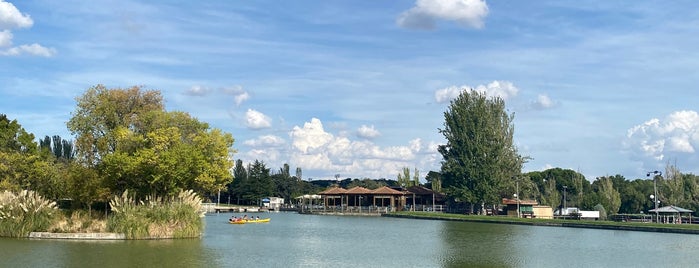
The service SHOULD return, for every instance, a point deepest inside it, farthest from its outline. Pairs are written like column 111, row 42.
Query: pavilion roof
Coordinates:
column 386, row 190
column 671, row 209
column 358, row 190
column 526, row 202
column 333, row 190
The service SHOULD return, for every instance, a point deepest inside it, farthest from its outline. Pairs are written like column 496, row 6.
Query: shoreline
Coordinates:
column 640, row 227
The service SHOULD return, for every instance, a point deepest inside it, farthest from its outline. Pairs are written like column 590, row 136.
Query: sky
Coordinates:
column 359, row 88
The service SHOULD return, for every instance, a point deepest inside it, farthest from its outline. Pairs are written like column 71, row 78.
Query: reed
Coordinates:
column 157, row 217
column 25, row 212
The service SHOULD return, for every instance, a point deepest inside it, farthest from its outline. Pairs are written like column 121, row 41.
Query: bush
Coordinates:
column 174, row 217
column 602, row 212
column 25, row 212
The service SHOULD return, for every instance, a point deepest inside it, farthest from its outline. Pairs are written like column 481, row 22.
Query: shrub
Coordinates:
column 25, row 212
column 157, row 217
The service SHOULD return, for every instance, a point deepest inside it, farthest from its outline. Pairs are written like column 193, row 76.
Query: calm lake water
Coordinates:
column 293, row 240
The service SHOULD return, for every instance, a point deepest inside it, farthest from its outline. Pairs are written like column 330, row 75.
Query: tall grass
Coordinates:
column 157, row 217
column 25, row 212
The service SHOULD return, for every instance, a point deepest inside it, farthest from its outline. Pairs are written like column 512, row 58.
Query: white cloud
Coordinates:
column 543, row 102
column 311, row 136
column 5, row 38
column 238, row 94
column 265, row 141
column 467, row 13
column 197, row 90
column 653, row 140
column 257, row 120
column 33, row 49
column 368, row 132
column 502, row 89
column 10, row 17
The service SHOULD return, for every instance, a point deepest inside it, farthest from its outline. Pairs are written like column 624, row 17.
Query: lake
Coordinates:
column 294, row 240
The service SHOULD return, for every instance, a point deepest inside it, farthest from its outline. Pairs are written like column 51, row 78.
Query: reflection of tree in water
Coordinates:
column 478, row 245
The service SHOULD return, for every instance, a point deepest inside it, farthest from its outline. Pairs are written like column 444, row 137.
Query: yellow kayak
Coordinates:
column 249, row 221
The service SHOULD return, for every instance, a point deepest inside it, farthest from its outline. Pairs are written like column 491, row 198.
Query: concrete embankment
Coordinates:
column 668, row 228
column 77, row 236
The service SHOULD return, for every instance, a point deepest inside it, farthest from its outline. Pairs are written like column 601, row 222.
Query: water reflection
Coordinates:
column 478, row 245
column 292, row 240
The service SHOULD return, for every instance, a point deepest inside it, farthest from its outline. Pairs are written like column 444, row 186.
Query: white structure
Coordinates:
column 584, row 214
column 273, row 203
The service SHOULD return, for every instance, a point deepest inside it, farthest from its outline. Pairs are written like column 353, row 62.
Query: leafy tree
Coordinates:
column 673, row 186
column 136, row 145
column 609, row 197
column 406, row 180
column 102, row 114
column 434, row 181
column 479, row 158
column 14, row 138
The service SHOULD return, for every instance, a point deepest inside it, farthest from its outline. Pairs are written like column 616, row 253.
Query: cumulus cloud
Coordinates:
column 323, row 154
column 265, row 141
column 653, row 140
column 10, row 18
column 197, row 90
column 368, row 132
column 543, row 102
column 425, row 13
column 5, row 38
column 257, row 120
column 309, row 137
column 502, row 89
column 238, row 94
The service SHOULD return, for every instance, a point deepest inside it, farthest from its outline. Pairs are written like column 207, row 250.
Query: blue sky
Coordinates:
column 359, row 88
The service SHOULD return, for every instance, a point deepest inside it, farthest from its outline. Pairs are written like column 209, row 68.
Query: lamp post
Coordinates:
column 565, row 205
column 519, row 213
column 654, row 196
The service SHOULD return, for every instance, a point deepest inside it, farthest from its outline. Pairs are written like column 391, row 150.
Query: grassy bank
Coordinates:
column 178, row 216
column 609, row 225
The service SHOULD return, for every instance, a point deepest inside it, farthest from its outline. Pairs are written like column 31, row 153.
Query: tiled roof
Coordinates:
column 386, row 190
column 333, row 190
column 358, row 190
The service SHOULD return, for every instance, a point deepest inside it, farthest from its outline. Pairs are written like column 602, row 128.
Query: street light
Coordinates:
column 655, row 191
column 565, row 205
column 516, row 195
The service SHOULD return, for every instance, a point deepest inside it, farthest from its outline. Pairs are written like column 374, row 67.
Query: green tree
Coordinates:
column 136, row 145
column 434, row 181
column 406, row 180
column 14, row 138
column 259, row 182
column 102, row 114
column 480, row 158
column 609, row 196
column 673, row 186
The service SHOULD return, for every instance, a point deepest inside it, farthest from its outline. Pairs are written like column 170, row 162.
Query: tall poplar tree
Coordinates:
column 480, row 158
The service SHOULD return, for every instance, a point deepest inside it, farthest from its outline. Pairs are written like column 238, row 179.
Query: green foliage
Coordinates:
column 406, row 180
column 609, row 197
column 101, row 111
column 157, row 217
column 480, row 158
column 25, row 212
column 602, row 212
column 434, row 181
column 134, row 144
column 13, row 137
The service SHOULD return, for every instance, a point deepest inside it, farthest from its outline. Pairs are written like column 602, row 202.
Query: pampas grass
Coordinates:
column 156, row 217
column 25, row 212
